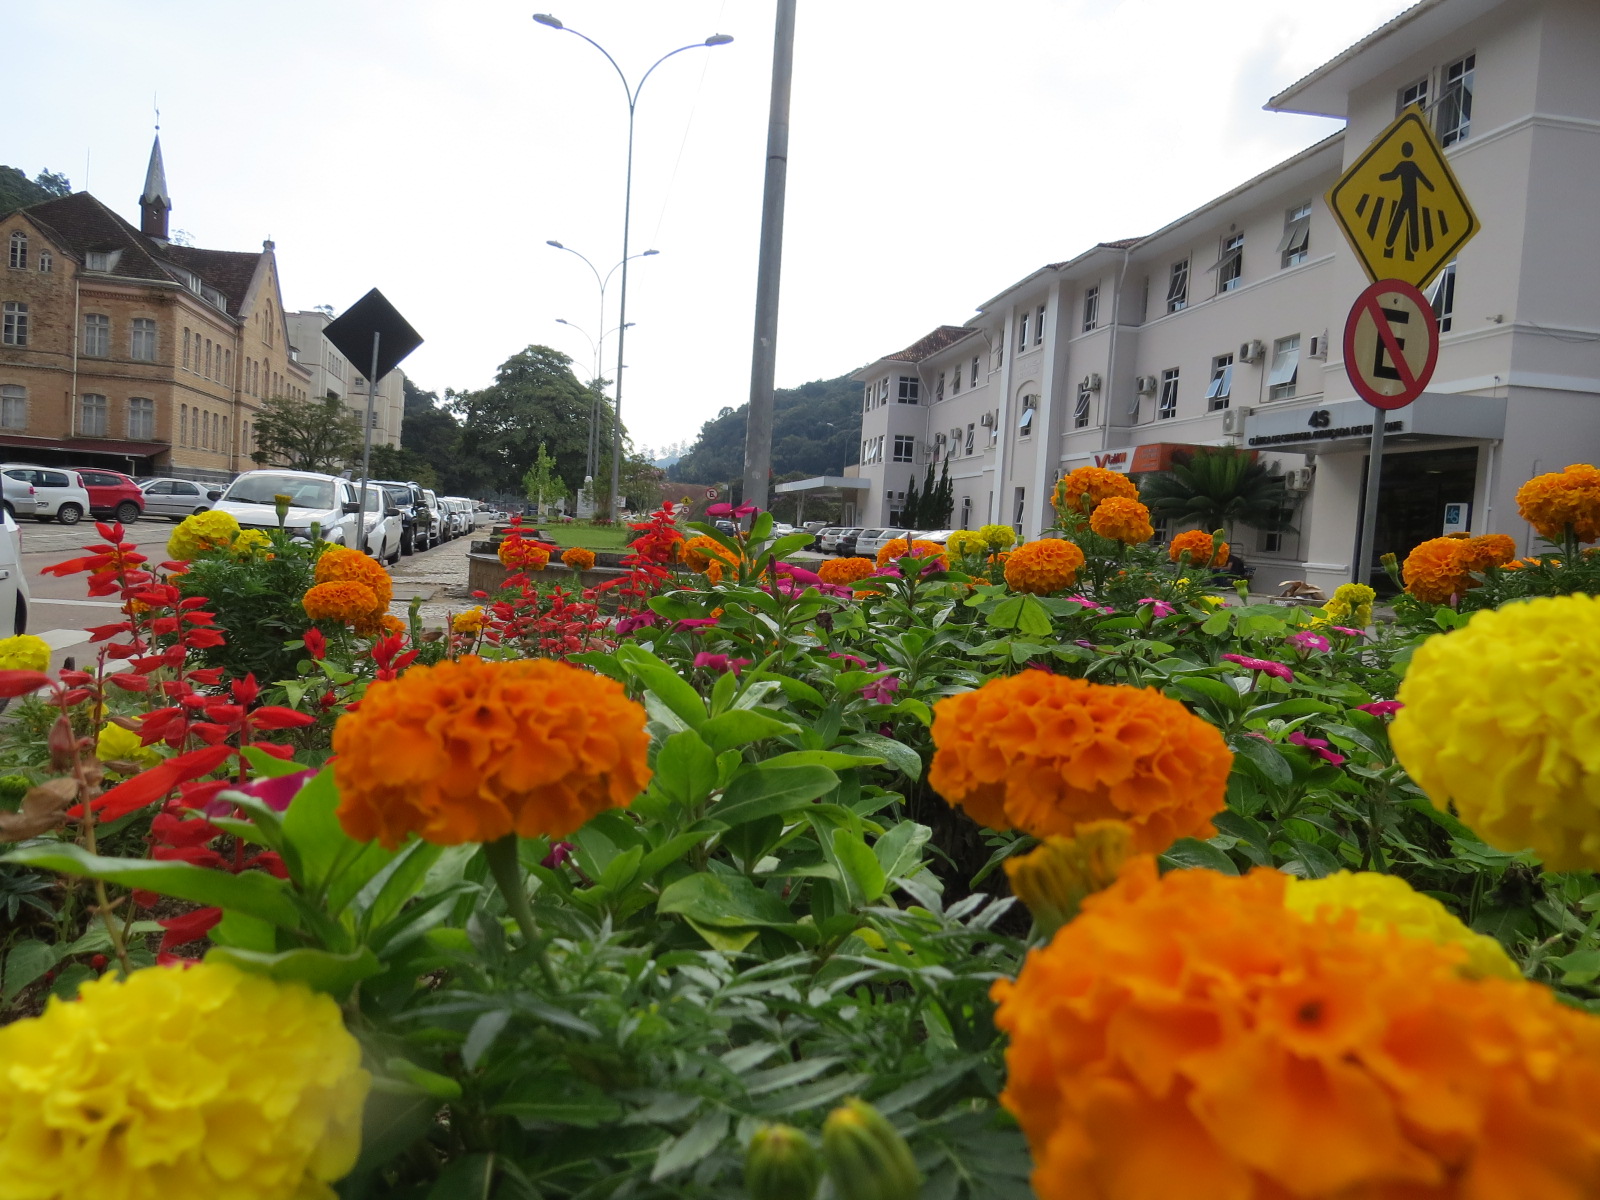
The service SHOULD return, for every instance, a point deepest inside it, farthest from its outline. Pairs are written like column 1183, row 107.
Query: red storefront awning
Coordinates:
column 83, row 445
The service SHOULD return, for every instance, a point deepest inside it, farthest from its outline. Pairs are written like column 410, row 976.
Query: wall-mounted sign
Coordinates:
column 1457, row 518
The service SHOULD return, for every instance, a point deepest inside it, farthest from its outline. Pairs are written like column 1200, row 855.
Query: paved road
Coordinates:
column 61, row 609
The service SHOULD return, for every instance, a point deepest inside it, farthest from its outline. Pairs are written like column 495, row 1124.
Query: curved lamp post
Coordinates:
column 632, row 91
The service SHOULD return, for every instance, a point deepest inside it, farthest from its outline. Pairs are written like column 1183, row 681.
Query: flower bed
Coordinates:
column 981, row 870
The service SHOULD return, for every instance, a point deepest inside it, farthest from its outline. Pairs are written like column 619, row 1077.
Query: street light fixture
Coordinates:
column 632, row 92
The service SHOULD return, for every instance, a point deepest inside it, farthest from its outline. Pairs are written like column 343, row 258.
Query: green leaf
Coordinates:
column 270, row 766
column 859, row 866
column 467, row 1178
column 704, row 1136
column 431, row 1083
column 900, row 849
column 723, row 902
column 312, row 827
column 320, row 970
column 386, row 892
column 686, row 768
column 1191, row 852
column 742, row 726
column 834, row 760
column 1218, row 691
column 729, row 941
column 664, row 683
column 897, row 754
column 789, row 543
column 1299, row 707
column 1583, row 966
column 757, row 792
column 27, row 961
column 1216, row 623
column 253, row 892
column 1266, row 758
column 482, row 1035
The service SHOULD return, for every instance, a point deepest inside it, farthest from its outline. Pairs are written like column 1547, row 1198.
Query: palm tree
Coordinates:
column 1217, row 488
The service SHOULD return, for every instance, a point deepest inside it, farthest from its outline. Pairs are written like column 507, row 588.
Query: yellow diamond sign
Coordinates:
column 1400, row 206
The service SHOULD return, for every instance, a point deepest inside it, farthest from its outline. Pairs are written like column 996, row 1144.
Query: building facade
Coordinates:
column 331, row 375
column 122, row 349
column 1225, row 327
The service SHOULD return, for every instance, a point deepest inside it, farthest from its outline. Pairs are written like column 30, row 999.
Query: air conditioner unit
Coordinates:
column 1145, row 385
column 1297, row 480
column 1251, row 351
column 1233, row 419
column 987, row 420
column 1319, row 346
column 1091, row 381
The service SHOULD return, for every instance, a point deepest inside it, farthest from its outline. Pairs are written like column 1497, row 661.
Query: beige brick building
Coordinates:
column 121, row 349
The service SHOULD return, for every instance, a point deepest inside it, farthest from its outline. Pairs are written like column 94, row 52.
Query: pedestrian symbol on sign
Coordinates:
column 1409, row 209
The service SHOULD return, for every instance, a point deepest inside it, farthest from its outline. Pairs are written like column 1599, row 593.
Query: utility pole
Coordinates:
column 764, row 352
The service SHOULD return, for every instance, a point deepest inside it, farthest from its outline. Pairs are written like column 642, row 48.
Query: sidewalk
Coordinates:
column 439, row 577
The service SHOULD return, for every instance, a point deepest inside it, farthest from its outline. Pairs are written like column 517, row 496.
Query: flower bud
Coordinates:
column 1053, row 879
column 867, row 1159
column 781, row 1164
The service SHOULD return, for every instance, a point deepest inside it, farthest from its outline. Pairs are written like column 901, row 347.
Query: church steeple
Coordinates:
column 154, row 203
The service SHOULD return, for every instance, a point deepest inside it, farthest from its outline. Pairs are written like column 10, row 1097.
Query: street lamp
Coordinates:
column 593, row 458
column 632, row 92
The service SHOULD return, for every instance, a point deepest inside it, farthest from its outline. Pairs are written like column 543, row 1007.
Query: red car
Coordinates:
column 112, row 494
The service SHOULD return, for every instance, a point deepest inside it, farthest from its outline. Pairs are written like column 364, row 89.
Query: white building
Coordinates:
column 1215, row 330
column 331, row 375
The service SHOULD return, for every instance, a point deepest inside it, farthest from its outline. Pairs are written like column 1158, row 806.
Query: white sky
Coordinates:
column 939, row 150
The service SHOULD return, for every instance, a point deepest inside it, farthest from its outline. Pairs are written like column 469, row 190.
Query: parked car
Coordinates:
column 314, row 499
column 18, row 495
column 814, row 526
column 407, row 497
column 845, row 545
column 112, row 494
column 781, row 529
column 940, row 536
column 58, row 493
column 828, row 538
column 430, row 502
column 873, row 540
column 14, row 595
column 459, row 511
column 175, row 499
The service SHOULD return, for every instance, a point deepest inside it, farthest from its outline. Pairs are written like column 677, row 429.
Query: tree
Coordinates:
column 18, row 191
column 911, row 511
column 1217, row 488
column 541, row 484
column 307, row 435
column 391, row 462
column 816, row 429
column 53, row 182
column 431, row 434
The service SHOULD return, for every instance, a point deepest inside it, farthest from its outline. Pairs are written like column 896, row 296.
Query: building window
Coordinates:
column 14, row 324
column 883, row 391
column 1038, row 326
column 905, row 448
column 47, row 263
column 1019, row 508
column 1442, row 295
column 183, row 425
column 1453, row 118
column 1221, row 383
column 141, row 418
column 1178, row 287
column 13, row 406
column 224, row 444
column 938, row 388
column 1091, row 308
column 92, row 415
column 971, row 435
column 955, row 382
column 186, row 359
column 1080, row 411
column 1296, row 241
column 1025, row 424
column 908, row 390
column 96, row 335
column 227, row 367
column 19, row 249
column 975, row 371
column 144, row 339
column 208, row 371
column 1416, row 93
column 966, row 511
column 1168, row 407
column 938, row 445
column 866, row 398
column 1230, row 267
column 1022, row 333
column 1285, row 367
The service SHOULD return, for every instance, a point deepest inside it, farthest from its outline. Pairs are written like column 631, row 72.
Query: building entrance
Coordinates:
column 1411, row 501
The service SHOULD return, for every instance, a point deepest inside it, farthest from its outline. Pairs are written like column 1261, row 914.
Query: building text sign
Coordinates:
column 1400, row 206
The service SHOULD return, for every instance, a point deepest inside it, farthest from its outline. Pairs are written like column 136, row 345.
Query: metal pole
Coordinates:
column 366, row 450
column 1369, row 509
column 764, row 350
column 622, row 316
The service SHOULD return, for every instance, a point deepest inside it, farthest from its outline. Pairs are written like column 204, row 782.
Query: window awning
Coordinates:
column 111, row 446
column 1294, row 237
column 1222, row 386
column 1284, row 367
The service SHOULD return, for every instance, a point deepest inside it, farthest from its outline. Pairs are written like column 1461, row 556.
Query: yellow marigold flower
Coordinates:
column 1196, row 543
column 1043, row 567
column 469, row 622
column 578, row 558
column 998, row 537
column 469, row 751
column 1499, row 719
column 24, row 652
column 897, row 548
column 842, row 572
column 343, row 602
column 1079, row 491
column 963, row 542
column 1122, row 520
column 249, row 543
column 180, row 1085
column 702, row 552
column 1053, row 879
column 1190, row 1035
column 116, row 744
column 1388, row 902
column 1048, row 754
column 340, row 563
column 1351, row 604
column 1205, row 600
column 1563, row 500
column 198, row 532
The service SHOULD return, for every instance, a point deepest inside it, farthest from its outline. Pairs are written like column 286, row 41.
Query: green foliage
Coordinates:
column 18, row 191
column 391, row 462
column 257, row 603
column 802, row 439
column 930, row 508
column 307, row 435
column 541, row 484
column 1216, row 488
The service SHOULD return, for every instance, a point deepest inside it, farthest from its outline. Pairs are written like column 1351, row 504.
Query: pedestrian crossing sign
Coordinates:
column 1400, row 206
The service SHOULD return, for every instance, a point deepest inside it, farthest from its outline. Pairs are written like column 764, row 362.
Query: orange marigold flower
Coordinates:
column 1561, row 500
column 897, row 548
column 392, row 624
column 1434, row 571
column 1081, row 490
column 1189, row 1035
column 1489, row 550
column 342, row 601
column 1197, row 544
column 340, row 563
column 518, row 553
column 469, row 751
column 1043, row 567
column 1122, row 520
column 844, row 571
column 578, row 558
column 1047, row 754
column 702, row 552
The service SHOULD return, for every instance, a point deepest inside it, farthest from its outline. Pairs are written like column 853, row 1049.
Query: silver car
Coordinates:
column 175, row 499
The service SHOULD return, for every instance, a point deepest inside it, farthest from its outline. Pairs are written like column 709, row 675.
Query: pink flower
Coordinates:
column 559, row 853
column 1276, row 669
column 275, row 793
column 1159, row 607
column 628, row 624
column 799, row 573
column 1090, row 604
column 881, row 691
column 1306, row 640
column 725, row 509
column 859, row 664
column 1381, row 708
column 696, row 623
column 1348, row 632
column 1317, row 746
column 720, row 662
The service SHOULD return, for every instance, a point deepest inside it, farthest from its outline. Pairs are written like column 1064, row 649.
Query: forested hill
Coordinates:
column 801, row 437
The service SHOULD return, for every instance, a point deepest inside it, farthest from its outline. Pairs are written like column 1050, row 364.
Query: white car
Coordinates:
column 14, row 596
column 937, row 535
column 873, row 540
column 58, row 494
column 327, row 502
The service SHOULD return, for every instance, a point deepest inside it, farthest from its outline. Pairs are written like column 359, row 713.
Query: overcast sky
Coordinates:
column 939, row 151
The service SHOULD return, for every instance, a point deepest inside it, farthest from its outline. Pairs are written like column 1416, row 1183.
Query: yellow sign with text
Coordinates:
column 1400, row 206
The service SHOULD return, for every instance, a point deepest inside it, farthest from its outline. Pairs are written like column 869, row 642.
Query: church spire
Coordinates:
column 154, row 203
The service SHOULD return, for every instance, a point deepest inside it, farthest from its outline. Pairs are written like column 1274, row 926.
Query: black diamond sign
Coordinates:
column 352, row 334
